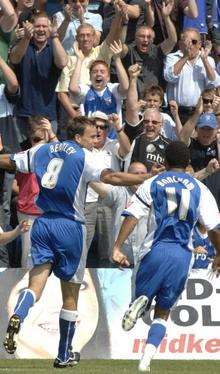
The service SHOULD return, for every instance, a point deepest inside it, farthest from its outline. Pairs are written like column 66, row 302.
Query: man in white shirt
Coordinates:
column 188, row 72
column 107, row 153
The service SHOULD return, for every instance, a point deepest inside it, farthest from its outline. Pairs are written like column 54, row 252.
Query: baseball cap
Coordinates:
column 100, row 115
column 207, row 120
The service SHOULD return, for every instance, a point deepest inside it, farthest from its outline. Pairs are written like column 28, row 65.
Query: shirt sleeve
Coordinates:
column 114, row 88
column 97, row 22
column 64, row 81
column 24, row 161
column 141, row 201
column 216, row 81
column 59, row 18
column 170, row 61
column 208, row 212
column 84, row 88
column 12, row 98
column 92, row 172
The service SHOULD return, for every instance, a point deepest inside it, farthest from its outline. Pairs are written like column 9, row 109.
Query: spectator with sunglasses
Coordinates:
column 149, row 147
column 188, row 72
column 109, row 153
column 211, row 101
column 153, row 98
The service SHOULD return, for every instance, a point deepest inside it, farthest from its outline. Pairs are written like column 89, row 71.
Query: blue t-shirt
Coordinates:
column 52, row 7
column 63, row 171
column 199, row 22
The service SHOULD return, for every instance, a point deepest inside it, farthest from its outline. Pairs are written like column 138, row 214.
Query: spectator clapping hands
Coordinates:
column 27, row 31
column 205, row 51
column 68, row 12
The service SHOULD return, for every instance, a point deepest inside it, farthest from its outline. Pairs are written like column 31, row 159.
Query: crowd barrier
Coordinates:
column 193, row 329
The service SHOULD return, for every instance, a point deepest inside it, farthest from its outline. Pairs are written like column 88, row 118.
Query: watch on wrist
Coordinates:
column 55, row 35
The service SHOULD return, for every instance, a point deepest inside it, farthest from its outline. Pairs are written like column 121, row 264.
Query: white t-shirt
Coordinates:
column 106, row 158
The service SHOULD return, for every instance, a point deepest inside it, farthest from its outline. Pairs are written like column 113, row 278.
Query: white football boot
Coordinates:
column 135, row 311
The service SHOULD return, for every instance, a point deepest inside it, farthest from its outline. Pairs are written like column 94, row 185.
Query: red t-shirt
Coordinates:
column 28, row 191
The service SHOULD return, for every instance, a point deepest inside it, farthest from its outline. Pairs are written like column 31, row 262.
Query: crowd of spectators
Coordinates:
column 146, row 71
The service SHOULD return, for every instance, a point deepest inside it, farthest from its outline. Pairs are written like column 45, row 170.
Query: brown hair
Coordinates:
column 145, row 28
column 35, row 132
column 209, row 91
column 98, row 62
column 154, row 90
column 78, row 125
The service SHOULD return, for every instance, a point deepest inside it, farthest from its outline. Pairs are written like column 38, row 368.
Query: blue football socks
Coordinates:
column 157, row 332
column 67, row 324
column 25, row 301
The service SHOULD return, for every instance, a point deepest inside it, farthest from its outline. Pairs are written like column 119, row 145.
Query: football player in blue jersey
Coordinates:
column 172, row 202
column 63, row 171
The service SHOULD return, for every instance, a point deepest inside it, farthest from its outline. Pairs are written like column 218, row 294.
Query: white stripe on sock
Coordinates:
column 25, row 292
column 67, row 341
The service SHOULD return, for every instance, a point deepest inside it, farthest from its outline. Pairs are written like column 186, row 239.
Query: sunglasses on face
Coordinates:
column 207, row 101
column 105, row 127
column 147, row 121
column 194, row 41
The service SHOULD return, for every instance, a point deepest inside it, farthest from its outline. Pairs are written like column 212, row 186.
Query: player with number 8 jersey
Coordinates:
column 58, row 237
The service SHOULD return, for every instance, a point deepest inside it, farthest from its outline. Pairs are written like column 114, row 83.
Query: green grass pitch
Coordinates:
column 110, row 367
